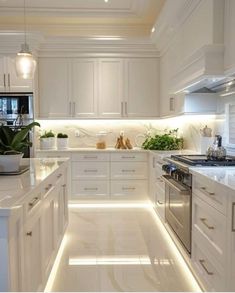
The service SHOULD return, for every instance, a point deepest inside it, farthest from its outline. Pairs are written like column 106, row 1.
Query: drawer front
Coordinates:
column 214, row 194
column 208, row 269
column 54, row 154
column 129, row 157
column 129, row 189
column 88, row 189
column 211, row 224
column 160, row 202
column 91, row 156
column 135, row 170
column 89, row 170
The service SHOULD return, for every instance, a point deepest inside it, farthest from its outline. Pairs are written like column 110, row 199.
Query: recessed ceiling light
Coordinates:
column 106, row 1
column 153, row 29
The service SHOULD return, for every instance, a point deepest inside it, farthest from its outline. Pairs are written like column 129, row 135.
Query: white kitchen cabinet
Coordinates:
column 54, row 88
column 111, row 92
column 9, row 81
column 84, row 87
column 229, row 38
column 33, row 252
column 142, row 87
column 98, row 87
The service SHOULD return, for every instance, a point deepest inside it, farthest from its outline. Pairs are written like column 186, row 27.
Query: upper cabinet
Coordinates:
column 9, row 82
column 98, row 87
column 229, row 38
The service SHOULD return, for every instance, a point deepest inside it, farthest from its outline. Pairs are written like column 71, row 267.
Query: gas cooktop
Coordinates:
column 202, row 160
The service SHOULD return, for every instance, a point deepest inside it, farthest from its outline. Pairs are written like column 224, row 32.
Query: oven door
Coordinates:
column 178, row 209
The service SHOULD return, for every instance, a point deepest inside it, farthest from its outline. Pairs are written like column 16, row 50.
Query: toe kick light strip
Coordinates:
column 146, row 204
column 109, row 261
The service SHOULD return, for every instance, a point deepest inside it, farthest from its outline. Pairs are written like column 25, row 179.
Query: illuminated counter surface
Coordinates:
column 14, row 189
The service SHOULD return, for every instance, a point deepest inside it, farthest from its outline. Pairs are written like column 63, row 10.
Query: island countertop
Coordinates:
column 13, row 189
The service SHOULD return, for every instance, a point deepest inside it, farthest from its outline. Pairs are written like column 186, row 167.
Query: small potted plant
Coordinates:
column 47, row 140
column 62, row 141
column 12, row 145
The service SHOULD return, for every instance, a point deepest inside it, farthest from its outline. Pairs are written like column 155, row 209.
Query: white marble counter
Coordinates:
column 13, row 189
column 222, row 175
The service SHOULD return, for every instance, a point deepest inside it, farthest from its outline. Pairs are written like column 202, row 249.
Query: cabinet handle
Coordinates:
column 233, row 228
column 48, row 187
column 4, row 79
column 160, row 203
column 29, row 234
column 9, row 80
column 160, row 163
column 128, row 188
column 70, row 108
column 126, row 108
column 90, row 157
column 122, row 112
column 64, row 185
column 172, row 104
column 34, row 202
column 124, row 157
column 130, row 171
column 202, row 262
column 204, row 190
column 203, row 220
column 59, row 176
column 153, row 162
column 91, row 189
column 91, row 171
column 74, row 109
column 160, row 179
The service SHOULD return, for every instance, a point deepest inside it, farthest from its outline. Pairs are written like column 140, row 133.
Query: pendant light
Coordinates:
column 25, row 63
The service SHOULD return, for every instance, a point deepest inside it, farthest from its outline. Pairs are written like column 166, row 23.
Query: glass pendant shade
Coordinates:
column 25, row 63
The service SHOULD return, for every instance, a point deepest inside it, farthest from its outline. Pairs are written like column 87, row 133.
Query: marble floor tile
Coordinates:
column 119, row 250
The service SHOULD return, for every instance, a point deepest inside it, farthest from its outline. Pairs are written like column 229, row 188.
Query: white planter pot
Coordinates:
column 62, row 143
column 10, row 163
column 47, row 143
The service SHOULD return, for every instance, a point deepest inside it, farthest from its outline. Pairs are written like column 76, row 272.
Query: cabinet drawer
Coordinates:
column 208, row 269
column 54, row 154
column 130, row 189
column 128, row 157
column 211, row 224
column 91, row 156
column 134, row 170
column 90, row 189
column 211, row 192
column 89, row 170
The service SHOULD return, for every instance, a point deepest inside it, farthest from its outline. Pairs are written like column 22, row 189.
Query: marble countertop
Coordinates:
column 13, row 189
column 221, row 175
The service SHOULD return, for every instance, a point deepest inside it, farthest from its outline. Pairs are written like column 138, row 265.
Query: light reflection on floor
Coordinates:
column 118, row 249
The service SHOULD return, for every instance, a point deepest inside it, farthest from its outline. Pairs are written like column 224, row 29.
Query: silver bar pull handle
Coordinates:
column 126, row 112
column 34, row 202
column 4, row 79
column 29, row 234
column 233, row 216
column 202, row 262
column 204, row 190
column 122, row 112
column 9, row 80
column 74, row 109
column 204, row 221
column 160, row 203
column 70, row 108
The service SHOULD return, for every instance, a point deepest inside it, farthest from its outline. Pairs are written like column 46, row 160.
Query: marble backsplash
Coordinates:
column 83, row 133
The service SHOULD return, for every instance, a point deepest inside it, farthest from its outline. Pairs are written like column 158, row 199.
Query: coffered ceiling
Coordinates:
column 85, row 18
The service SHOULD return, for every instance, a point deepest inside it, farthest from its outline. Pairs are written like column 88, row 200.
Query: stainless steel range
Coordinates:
column 178, row 192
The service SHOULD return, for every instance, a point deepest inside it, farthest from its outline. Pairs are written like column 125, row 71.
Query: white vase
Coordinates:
column 62, row 143
column 10, row 163
column 47, row 143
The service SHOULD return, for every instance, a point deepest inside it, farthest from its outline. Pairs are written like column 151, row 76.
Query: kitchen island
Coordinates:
column 33, row 218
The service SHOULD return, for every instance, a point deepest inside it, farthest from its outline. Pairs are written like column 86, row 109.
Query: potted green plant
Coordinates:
column 165, row 142
column 47, row 140
column 12, row 145
column 62, row 141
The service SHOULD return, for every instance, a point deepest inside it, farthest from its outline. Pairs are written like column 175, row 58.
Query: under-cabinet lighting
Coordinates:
column 55, row 267
column 185, row 269
column 105, row 260
column 146, row 204
column 153, row 29
column 227, row 94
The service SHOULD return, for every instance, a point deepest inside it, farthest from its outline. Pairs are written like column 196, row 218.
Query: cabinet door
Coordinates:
column 2, row 75
column 110, row 88
column 142, row 86
column 14, row 83
column 84, row 87
column 54, row 88
column 33, row 253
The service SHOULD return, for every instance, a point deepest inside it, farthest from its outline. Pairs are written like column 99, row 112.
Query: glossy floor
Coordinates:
column 118, row 249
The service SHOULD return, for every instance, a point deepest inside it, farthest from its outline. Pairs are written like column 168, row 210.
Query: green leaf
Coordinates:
column 22, row 135
column 8, row 134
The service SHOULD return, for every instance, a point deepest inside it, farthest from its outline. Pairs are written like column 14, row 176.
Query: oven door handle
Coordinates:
column 175, row 185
